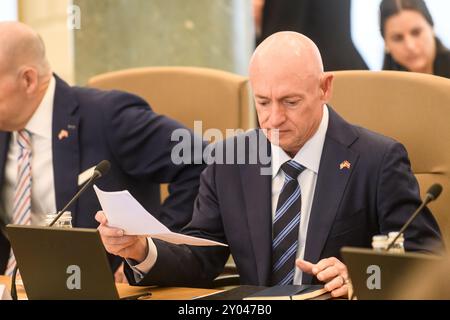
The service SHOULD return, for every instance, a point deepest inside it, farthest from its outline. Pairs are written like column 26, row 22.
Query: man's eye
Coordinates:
column 263, row 103
column 292, row 103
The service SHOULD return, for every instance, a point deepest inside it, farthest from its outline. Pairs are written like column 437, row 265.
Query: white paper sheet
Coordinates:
column 123, row 211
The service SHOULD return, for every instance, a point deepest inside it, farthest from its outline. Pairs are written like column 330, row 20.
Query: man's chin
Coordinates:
column 278, row 137
column 280, row 142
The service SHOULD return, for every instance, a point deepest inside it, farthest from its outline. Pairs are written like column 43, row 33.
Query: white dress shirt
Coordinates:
column 43, row 199
column 308, row 156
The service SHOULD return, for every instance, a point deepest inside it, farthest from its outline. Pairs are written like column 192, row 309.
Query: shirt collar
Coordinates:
column 309, row 155
column 41, row 121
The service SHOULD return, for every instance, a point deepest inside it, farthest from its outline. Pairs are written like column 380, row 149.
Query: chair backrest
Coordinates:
column 412, row 108
column 217, row 98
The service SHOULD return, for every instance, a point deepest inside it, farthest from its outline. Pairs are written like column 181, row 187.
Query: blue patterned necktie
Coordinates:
column 286, row 225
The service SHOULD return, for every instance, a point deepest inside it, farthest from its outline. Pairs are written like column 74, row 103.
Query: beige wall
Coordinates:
column 49, row 18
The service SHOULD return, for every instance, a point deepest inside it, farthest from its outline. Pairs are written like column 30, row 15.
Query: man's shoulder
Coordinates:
column 96, row 98
column 372, row 139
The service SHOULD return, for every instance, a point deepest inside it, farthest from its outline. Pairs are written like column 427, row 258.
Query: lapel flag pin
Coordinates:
column 63, row 134
column 345, row 164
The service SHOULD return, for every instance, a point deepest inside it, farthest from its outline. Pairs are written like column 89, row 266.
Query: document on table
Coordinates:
column 123, row 211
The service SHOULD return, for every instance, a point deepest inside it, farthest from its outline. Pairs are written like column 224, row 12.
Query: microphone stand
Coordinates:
column 406, row 225
column 86, row 185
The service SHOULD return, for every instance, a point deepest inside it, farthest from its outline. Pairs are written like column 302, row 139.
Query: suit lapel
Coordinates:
column 66, row 162
column 330, row 186
column 257, row 190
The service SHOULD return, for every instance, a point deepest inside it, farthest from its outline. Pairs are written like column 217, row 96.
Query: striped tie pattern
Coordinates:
column 22, row 192
column 286, row 225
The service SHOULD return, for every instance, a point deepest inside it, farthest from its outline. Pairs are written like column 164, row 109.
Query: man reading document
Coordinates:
column 329, row 184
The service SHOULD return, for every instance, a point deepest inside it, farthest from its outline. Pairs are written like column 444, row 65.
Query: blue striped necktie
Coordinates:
column 286, row 225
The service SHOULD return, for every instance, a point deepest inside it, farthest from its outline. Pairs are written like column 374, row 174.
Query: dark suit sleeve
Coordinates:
column 398, row 197
column 141, row 141
column 192, row 266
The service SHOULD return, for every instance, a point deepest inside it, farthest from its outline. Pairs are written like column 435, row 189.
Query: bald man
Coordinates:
column 52, row 135
column 330, row 184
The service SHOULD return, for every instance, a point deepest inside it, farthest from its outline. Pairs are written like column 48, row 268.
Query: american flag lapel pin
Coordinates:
column 63, row 134
column 345, row 165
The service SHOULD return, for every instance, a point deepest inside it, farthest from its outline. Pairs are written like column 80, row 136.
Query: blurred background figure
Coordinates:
column 258, row 6
column 326, row 22
column 410, row 40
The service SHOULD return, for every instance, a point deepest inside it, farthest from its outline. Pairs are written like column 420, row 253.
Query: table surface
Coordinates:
column 125, row 290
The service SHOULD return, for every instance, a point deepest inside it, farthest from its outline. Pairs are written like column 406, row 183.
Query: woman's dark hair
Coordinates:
column 389, row 8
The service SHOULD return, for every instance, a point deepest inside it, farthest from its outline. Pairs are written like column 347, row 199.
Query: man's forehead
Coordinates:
column 281, row 76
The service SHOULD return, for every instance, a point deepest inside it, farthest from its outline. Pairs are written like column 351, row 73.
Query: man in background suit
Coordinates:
column 70, row 130
column 326, row 22
column 330, row 184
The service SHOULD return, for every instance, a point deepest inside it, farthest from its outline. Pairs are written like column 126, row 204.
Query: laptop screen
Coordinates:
column 57, row 263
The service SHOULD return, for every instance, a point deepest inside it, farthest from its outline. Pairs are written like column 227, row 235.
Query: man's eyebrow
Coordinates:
column 290, row 96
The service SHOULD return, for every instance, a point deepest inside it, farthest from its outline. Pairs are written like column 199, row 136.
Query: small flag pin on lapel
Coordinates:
column 345, row 164
column 63, row 134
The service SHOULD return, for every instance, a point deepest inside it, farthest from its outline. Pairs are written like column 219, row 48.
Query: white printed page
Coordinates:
column 123, row 211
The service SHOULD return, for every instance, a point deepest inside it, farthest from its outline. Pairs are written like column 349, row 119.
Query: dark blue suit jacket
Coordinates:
column 123, row 129
column 376, row 195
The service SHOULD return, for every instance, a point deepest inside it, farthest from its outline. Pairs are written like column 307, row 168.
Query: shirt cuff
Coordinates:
column 141, row 269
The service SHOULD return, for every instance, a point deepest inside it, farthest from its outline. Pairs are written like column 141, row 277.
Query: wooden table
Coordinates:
column 125, row 290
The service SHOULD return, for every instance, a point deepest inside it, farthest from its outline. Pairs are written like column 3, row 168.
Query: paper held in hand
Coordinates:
column 123, row 211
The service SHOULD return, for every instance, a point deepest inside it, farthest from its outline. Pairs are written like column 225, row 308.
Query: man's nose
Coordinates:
column 277, row 116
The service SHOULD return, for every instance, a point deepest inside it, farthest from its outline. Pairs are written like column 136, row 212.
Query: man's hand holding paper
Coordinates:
column 125, row 226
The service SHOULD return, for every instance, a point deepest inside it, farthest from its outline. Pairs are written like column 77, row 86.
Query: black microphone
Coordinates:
column 432, row 194
column 99, row 171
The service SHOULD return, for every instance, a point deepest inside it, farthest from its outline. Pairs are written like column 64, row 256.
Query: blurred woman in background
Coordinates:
column 410, row 41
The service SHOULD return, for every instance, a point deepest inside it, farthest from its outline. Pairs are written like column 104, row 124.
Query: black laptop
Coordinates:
column 380, row 275
column 63, row 264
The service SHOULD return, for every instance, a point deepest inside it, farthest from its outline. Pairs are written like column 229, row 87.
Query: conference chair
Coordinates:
column 412, row 108
column 218, row 98
column 221, row 100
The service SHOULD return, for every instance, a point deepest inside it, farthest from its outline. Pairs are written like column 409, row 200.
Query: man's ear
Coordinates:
column 326, row 86
column 29, row 79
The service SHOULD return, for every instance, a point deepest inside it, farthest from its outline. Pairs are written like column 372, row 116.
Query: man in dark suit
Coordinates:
column 328, row 184
column 71, row 130
column 326, row 22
